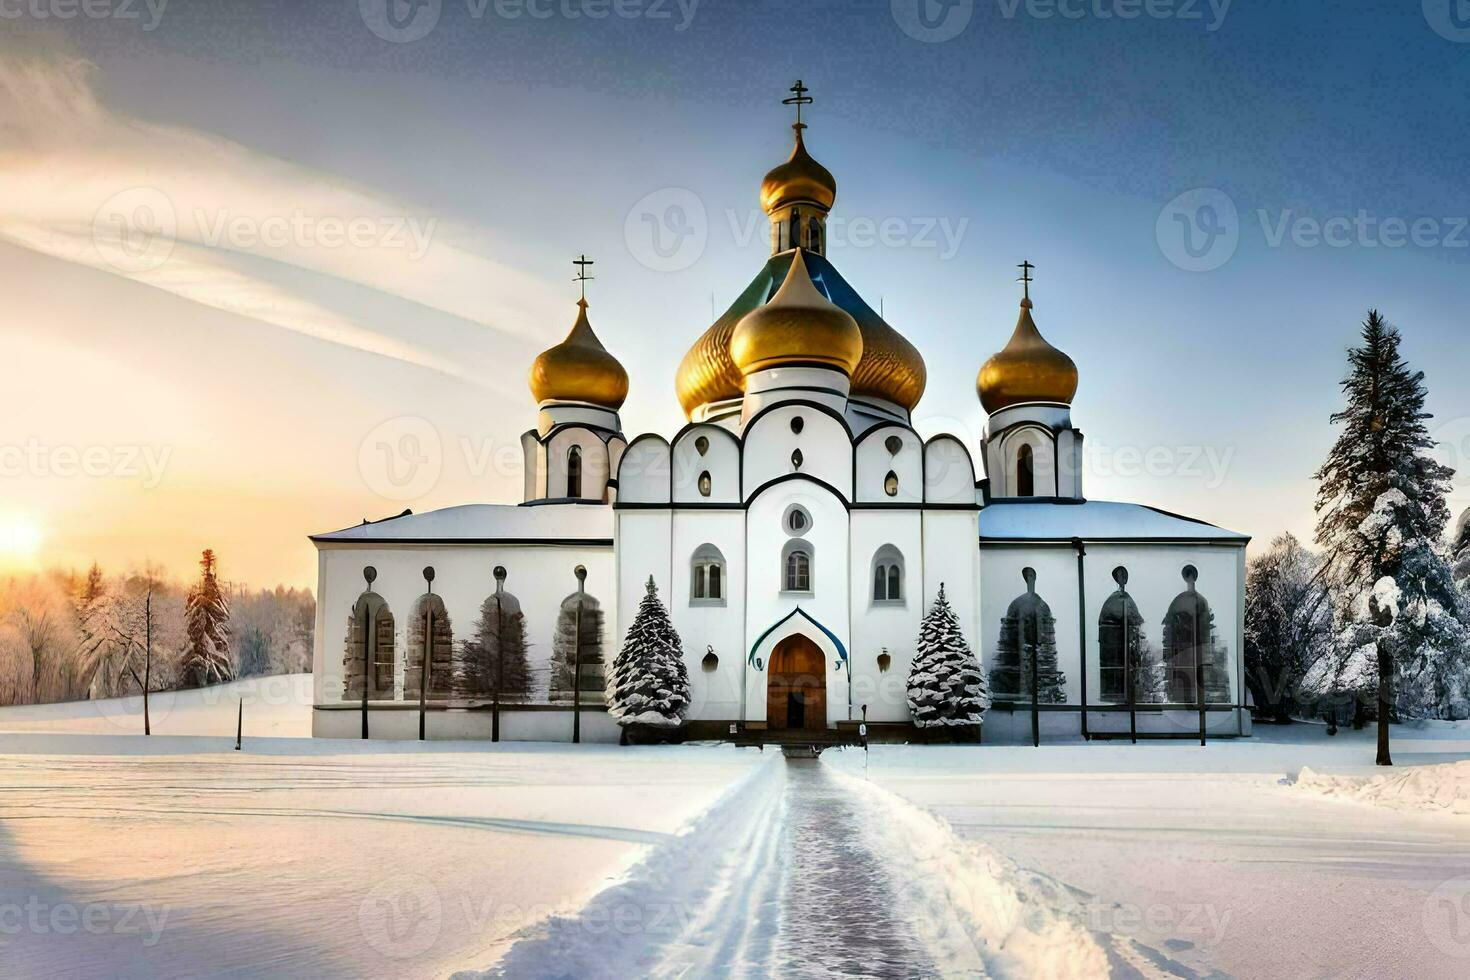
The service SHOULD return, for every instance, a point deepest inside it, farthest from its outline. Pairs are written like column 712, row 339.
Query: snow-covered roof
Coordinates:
column 1094, row 520
column 498, row 523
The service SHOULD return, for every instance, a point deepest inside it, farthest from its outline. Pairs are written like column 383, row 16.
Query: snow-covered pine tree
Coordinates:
column 93, row 639
column 648, row 684
column 1288, row 627
column 207, row 619
column 1461, row 550
column 1381, row 502
column 946, row 685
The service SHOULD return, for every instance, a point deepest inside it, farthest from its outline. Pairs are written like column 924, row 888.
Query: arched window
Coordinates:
column 1126, row 670
column 1027, row 648
column 578, row 644
column 706, row 484
column 890, row 484
column 814, row 239
column 1025, row 472
column 429, row 631
column 707, row 568
column 369, row 651
column 796, row 562
column 1191, row 648
column 888, row 574
column 495, row 651
column 574, row 471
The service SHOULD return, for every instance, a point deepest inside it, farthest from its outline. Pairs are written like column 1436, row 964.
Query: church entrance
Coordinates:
column 796, row 692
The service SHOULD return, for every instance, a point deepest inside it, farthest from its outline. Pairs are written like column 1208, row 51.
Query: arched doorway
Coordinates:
column 796, row 691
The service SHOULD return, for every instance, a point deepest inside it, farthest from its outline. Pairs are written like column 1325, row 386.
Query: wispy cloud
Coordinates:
column 220, row 224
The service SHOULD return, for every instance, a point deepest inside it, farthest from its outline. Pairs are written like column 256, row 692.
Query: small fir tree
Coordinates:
column 946, row 686
column 207, row 619
column 648, row 683
column 1381, row 502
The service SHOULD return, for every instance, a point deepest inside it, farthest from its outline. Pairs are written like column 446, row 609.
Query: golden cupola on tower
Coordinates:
column 799, row 327
column 1028, row 370
column 579, row 369
column 800, row 180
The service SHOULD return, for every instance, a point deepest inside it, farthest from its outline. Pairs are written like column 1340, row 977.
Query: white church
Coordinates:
column 797, row 529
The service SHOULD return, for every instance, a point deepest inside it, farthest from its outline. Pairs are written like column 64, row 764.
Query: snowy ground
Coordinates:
column 177, row 856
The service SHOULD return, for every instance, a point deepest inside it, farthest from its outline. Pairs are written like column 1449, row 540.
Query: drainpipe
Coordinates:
column 1082, row 625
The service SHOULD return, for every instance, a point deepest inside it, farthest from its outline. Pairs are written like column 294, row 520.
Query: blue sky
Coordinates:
column 1064, row 133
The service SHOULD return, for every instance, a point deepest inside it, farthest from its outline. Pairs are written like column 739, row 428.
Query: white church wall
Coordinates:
column 825, row 445
column 1001, row 583
column 1154, row 580
column 949, row 473
column 1069, row 462
column 952, row 559
column 885, row 625
column 721, row 459
column 875, row 462
column 706, row 624
column 827, row 602
column 534, row 464
column 539, row 576
column 643, row 472
column 517, row 724
column 644, row 548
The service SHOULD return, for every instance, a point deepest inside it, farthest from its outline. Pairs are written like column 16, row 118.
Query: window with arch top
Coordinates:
column 707, row 571
column 574, row 471
column 796, row 567
column 1025, row 472
column 888, row 574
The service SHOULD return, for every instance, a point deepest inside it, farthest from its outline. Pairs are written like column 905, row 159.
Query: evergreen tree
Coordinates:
column 495, row 653
column 946, row 685
column 567, row 640
column 93, row 637
column 1461, row 549
column 1288, row 627
column 207, row 619
column 648, row 683
column 1381, row 502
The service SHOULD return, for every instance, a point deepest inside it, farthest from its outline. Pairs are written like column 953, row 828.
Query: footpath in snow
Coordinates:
column 802, row 871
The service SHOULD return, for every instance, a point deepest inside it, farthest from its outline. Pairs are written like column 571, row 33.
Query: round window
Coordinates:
column 797, row 521
column 706, row 485
column 797, row 424
column 890, row 484
column 701, row 445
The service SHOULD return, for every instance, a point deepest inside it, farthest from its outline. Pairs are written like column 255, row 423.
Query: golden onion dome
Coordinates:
column 579, row 369
column 799, row 326
column 1028, row 370
column 891, row 368
column 800, row 180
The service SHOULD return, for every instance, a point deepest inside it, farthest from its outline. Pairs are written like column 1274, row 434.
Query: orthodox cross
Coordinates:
column 1025, row 278
column 799, row 99
column 582, row 263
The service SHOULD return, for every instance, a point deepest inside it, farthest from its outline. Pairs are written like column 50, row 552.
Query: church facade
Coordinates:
column 797, row 528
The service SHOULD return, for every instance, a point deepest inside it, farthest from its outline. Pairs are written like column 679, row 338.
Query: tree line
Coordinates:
column 70, row 636
column 1373, row 624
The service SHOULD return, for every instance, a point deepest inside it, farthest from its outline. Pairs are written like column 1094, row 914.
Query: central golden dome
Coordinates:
column 1028, row 370
column 579, row 369
column 799, row 326
column 800, row 180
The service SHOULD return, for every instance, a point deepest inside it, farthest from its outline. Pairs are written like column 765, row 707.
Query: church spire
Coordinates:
column 798, row 194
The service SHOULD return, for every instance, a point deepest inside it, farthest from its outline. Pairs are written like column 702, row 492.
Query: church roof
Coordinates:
column 891, row 368
column 1095, row 521
column 583, row 524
